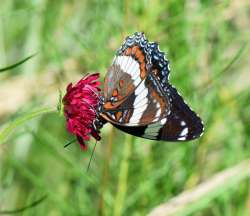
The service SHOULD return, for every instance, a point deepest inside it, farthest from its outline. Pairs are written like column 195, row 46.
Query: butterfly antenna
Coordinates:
column 92, row 154
column 69, row 143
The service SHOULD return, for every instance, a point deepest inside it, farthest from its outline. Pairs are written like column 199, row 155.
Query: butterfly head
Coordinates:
column 81, row 105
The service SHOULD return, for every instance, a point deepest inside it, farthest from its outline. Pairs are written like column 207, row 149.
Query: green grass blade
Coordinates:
column 22, row 209
column 235, row 58
column 16, row 64
column 123, row 177
column 5, row 132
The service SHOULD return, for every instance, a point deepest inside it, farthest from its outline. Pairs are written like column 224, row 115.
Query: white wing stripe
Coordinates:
column 139, row 99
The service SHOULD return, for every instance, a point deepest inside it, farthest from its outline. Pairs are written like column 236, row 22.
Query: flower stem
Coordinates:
column 123, row 175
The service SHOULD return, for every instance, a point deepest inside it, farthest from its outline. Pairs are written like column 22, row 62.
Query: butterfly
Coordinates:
column 138, row 98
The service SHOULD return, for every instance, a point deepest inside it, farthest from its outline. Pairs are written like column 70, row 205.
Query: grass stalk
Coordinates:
column 105, row 173
column 6, row 131
column 24, row 208
column 123, row 177
column 16, row 64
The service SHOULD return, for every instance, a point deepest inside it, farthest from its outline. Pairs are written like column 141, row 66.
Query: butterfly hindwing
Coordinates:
column 181, row 124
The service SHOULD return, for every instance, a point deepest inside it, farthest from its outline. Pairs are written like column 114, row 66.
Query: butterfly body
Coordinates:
column 138, row 98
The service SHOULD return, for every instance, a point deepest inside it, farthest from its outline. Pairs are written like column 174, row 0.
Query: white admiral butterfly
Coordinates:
column 137, row 98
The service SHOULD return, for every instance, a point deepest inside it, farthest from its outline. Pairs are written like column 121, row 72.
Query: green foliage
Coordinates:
column 16, row 64
column 207, row 43
column 6, row 131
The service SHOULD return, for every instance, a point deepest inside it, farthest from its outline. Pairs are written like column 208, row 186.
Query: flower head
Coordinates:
column 80, row 104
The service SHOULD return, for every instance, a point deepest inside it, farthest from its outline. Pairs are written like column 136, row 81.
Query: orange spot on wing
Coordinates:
column 142, row 72
column 121, row 83
column 159, row 99
column 140, row 57
column 135, row 49
column 118, row 115
column 108, row 105
column 128, row 51
column 115, row 93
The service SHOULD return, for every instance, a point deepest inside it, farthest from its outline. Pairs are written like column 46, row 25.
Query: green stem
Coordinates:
column 105, row 173
column 5, row 132
column 123, row 176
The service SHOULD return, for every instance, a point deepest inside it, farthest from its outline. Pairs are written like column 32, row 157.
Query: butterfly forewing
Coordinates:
column 128, row 70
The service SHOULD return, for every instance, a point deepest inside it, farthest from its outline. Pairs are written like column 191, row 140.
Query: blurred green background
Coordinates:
column 207, row 43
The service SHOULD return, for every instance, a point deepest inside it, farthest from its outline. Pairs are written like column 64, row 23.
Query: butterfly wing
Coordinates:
column 152, row 108
column 181, row 124
column 128, row 70
column 130, row 96
column 146, row 105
